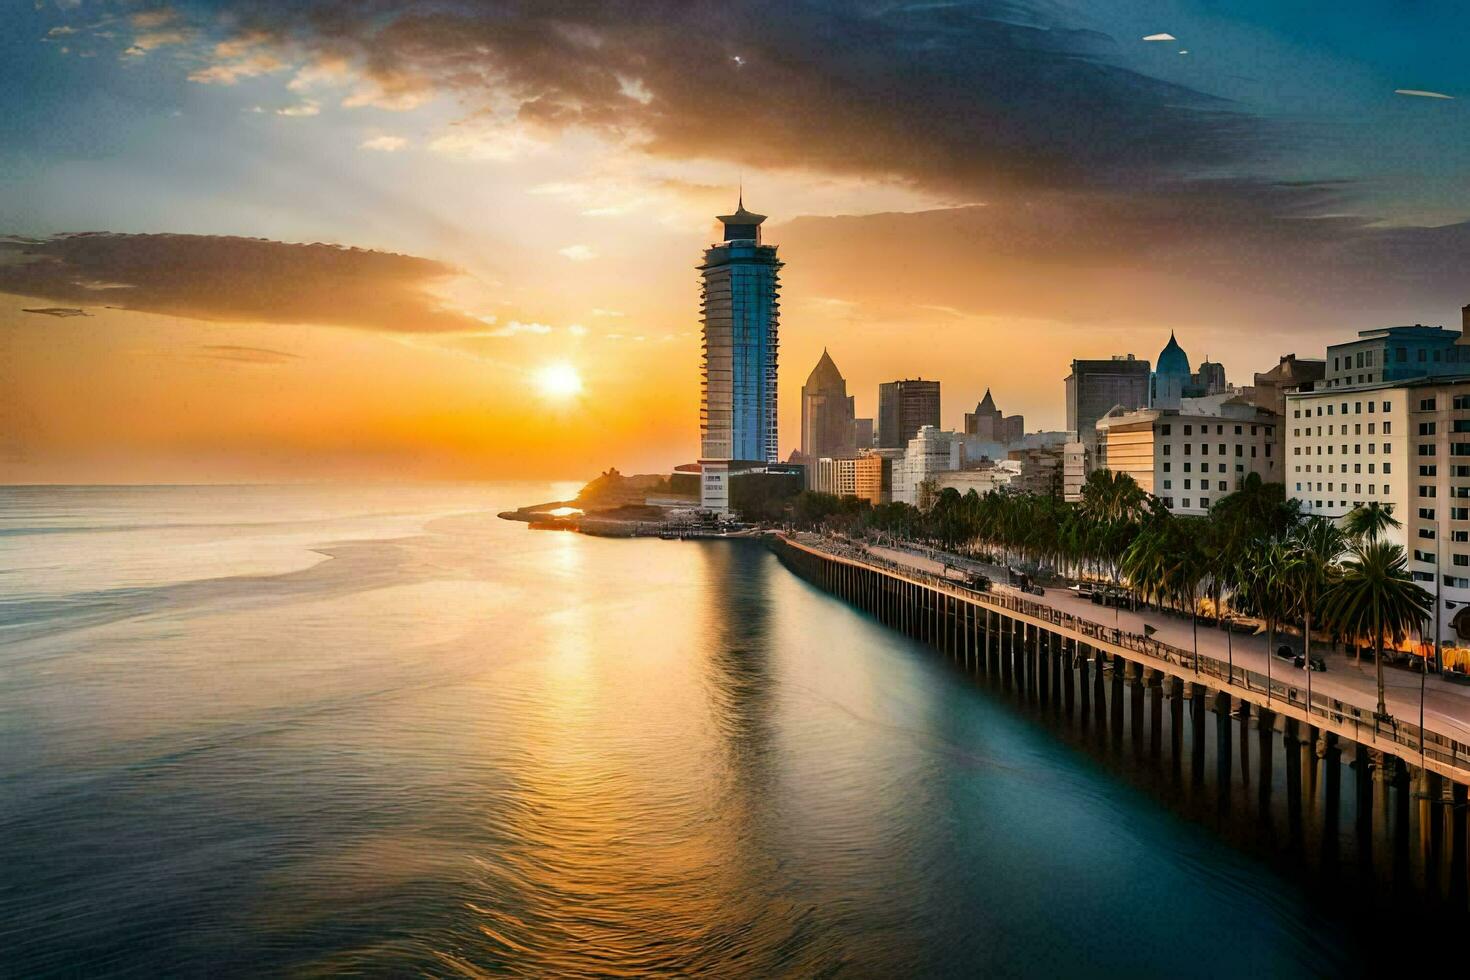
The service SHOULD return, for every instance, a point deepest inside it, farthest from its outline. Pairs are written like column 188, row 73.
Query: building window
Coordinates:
column 1189, row 430
column 1204, row 503
column 1426, row 404
column 1164, row 429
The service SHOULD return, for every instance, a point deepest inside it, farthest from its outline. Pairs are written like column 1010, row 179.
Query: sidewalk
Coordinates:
column 1446, row 705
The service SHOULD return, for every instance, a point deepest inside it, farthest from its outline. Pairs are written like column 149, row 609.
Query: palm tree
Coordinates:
column 1314, row 549
column 1377, row 596
column 1370, row 521
column 1262, row 578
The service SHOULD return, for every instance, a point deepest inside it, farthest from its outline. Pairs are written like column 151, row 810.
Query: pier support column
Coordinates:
column 1068, row 661
column 1265, row 729
column 1379, row 768
column 1043, row 674
column 1400, row 864
column 1290, row 740
column 1155, row 712
column 1008, row 643
column 1425, row 789
column 1135, row 701
column 1243, row 714
column 1058, row 647
column 1176, row 722
column 1457, row 844
column 1331, row 755
column 1084, row 667
column 1363, row 803
column 1197, row 732
column 1222, row 747
column 1099, row 689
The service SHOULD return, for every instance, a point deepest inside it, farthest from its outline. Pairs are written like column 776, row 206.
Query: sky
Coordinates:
column 321, row 239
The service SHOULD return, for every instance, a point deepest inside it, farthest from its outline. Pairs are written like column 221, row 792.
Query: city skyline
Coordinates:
column 515, row 231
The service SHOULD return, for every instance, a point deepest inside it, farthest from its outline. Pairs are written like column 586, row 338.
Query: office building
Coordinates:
column 905, row 407
column 872, row 476
column 862, row 433
column 1192, row 456
column 1388, row 354
column 826, row 412
column 740, row 285
column 989, row 424
column 1095, row 387
column 1210, row 378
column 1040, row 469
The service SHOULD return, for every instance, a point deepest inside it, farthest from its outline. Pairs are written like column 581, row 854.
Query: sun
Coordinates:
column 559, row 381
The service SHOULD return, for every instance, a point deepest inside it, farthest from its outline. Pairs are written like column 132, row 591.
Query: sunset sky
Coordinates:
column 336, row 239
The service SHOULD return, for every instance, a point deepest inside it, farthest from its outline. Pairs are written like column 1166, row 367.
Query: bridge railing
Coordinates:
column 1367, row 725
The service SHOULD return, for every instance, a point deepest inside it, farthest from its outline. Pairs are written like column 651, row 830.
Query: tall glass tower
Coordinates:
column 740, row 305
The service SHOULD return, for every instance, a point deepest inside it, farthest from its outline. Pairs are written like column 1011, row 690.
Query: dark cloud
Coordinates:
column 58, row 311
column 1225, row 253
column 247, row 355
column 237, row 279
column 964, row 98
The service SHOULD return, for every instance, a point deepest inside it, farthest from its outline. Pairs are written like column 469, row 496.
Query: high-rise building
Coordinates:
column 991, row 425
column 1095, row 387
column 862, row 433
column 826, row 413
column 905, row 407
column 740, row 288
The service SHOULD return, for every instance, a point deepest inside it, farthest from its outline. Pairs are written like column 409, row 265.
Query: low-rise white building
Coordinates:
column 1346, row 447
column 1192, row 456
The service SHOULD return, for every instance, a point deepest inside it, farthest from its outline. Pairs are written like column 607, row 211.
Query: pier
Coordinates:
column 1404, row 789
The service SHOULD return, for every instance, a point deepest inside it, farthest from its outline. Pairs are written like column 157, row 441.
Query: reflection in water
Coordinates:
column 477, row 749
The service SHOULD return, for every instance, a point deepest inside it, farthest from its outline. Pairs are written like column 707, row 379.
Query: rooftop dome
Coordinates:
column 1172, row 359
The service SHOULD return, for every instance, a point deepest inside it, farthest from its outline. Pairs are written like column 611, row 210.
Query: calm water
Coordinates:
column 255, row 731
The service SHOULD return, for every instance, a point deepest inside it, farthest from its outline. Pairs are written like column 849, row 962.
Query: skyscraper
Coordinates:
column 905, row 407
column 1094, row 387
column 826, row 413
column 737, row 415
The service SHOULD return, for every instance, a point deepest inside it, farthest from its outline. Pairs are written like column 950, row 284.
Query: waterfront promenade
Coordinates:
column 1342, row 705
column 1446, row 705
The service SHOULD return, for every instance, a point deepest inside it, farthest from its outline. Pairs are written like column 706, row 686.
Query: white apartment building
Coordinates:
column 1348, row 446
column 1405, row 445
column 929, row 453
column 1192, row 456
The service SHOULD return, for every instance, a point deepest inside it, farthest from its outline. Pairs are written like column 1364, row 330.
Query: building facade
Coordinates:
column 1395, row 354
column 989, row 424
column 930, row 452
column 1095, row 387
column 1292, row 372
column 740, row 287
column 1347, row 447
column 1193, row 456
column 862, row 433
column 826, row 412
column 905, row 407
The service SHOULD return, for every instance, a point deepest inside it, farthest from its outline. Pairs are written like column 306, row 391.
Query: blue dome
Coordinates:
column 1172, row 359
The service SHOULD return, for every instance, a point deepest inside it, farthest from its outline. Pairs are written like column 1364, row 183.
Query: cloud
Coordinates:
column 1224, row 253
column 516, row 328
column 156, row 17
column 61, row 31
column 240, row 63
column 1160, row 37
column 578, row 253
column 682, row 79
column 247, row 355
column 212, row 277
column 1421, row 93
column 306, row 108
column 58, row 311
column 384, row 144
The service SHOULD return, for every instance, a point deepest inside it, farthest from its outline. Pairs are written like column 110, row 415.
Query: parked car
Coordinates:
column 1318, row 664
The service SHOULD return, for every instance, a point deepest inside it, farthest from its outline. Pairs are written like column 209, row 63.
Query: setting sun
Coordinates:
column 559, row 380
